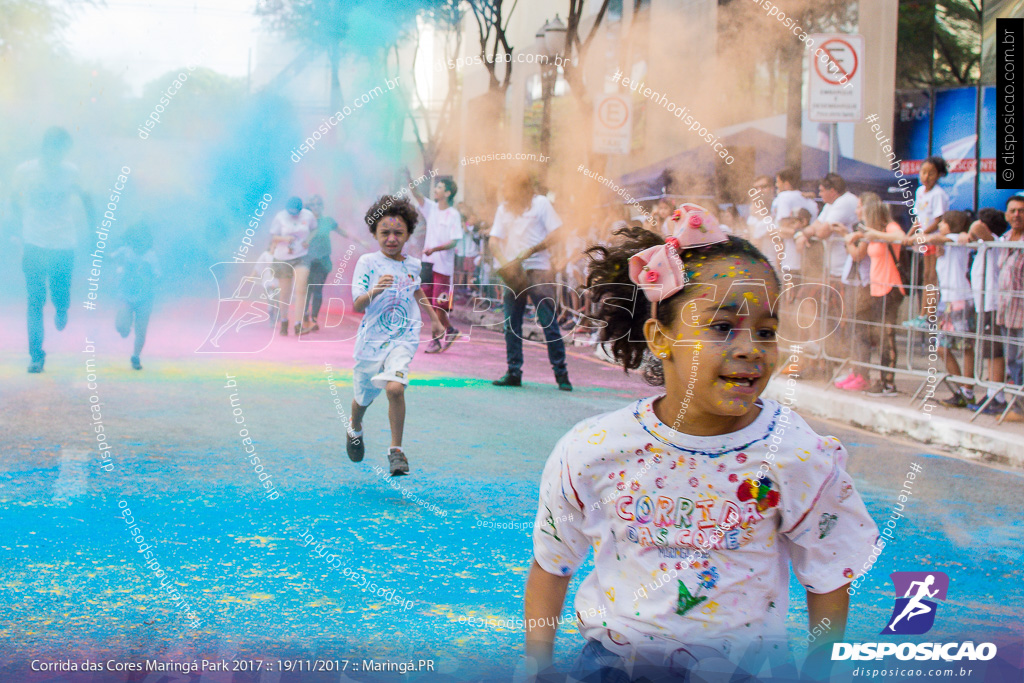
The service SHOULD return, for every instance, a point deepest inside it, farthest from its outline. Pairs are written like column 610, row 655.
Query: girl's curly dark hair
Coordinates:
column 391, row 205
column 940, row 165
column 608, row 271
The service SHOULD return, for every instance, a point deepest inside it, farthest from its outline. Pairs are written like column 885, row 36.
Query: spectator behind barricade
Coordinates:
column 760, row 208
column 794, row 323
column 796, row 225
column 1010, row 312
column 837, row 219
column 990, row 226
column 930, row 203
column 662, row 212
column 788, row 201
column 879, row 242
column 956, row 303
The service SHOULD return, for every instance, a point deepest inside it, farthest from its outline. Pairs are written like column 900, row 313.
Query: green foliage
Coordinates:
column 27, row 23
column 938, row 43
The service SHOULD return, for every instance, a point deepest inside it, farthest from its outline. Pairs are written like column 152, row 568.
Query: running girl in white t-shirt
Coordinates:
column 695, row 502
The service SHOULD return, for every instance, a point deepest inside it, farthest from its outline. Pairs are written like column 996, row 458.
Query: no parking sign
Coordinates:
column 836, row 79
column 613, row 122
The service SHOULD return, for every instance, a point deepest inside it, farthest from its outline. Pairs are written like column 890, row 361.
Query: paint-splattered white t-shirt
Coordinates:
column 393, row 317
column 688, row 520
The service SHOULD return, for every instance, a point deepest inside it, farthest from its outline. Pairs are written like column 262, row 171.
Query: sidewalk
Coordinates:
column 948, row 428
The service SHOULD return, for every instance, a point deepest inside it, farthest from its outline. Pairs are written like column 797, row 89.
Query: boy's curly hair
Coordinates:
column 391, row 205
column 609, row 272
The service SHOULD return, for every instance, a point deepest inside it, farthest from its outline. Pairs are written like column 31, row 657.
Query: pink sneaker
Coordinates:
column 839, row 383
column 858, row 383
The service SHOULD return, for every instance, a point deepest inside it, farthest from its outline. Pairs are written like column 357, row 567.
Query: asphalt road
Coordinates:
column 244, row 562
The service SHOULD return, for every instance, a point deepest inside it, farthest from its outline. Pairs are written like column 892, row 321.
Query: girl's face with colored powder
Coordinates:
column 721, row 347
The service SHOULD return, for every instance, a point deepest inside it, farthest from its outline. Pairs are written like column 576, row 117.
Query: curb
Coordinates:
column 964, row 440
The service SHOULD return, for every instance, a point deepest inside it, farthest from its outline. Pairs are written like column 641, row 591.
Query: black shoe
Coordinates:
column 35, row 366
column 60, row 320
column 957, row 400
column 509, row 379
column 136, row 364
column 355, row 447
column 284, row 328
column 563, row 382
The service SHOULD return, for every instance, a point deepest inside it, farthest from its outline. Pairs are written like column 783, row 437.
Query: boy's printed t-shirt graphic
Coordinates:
column 916, row 596
column 393, row 317
column 698, row 493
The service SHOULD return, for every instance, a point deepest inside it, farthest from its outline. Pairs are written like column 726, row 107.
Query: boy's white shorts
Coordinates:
column 370, row 376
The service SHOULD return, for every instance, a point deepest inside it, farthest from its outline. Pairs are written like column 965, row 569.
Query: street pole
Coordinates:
column 833, row 148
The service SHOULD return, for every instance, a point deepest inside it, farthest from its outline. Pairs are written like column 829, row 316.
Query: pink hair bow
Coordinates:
column 659, row 271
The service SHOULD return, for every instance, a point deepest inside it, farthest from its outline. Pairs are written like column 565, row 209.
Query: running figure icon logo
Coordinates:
column 914, row 613
column 254, row 306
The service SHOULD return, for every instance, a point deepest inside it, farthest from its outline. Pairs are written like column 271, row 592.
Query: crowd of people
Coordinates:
column 854, row 244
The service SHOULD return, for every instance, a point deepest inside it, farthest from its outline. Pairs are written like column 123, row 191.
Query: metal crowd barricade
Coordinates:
column 840, row 314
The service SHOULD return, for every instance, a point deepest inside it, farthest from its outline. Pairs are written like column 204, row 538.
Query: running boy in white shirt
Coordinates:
column 444, row 230
column 386, row 285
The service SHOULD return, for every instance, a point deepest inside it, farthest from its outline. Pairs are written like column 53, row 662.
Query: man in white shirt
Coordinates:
column 48, row 219
column 787, row 202
column 523, row 230
column 836, row 219
column 444, row 230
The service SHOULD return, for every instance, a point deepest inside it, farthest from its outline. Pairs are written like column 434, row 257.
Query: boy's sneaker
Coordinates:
column 993, row 407
column 880, row 389
column 563, row 382
column 449, row 338
column 397, row 462
column 434, row 347
column 509, row 379
column 136, row 363
column 957, row 400
column 354, row 446
column 35, row 366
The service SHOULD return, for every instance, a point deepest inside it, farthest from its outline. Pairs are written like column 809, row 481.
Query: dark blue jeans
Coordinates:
column 542, row 293
column 41, row 267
